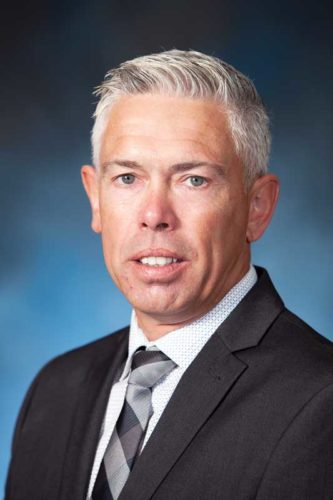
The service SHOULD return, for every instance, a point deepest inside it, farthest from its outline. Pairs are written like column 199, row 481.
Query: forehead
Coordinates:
column 159, row 124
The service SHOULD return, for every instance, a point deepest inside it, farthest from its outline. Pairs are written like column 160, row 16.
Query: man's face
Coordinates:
column 171, row 206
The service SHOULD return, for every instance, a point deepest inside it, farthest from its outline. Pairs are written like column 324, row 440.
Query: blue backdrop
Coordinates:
column 55, row 291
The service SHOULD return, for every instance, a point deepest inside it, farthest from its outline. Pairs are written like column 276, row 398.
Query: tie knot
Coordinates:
column 148, row 367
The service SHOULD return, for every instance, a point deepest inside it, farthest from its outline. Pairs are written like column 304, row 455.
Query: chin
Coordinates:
column 157, row 308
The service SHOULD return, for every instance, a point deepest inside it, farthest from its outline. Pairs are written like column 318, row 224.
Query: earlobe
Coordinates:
column 90, row 183
column 263, row 198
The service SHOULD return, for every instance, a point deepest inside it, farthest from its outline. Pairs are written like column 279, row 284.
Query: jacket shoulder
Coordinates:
column 67, row 371
column 299, row 334
column 301, row 325
column 299, row 351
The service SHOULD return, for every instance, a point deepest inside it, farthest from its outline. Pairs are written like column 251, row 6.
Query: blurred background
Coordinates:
column 55, row 291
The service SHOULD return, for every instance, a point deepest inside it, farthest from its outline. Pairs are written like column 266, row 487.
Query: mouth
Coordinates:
column 158, row 266
column 158, row 261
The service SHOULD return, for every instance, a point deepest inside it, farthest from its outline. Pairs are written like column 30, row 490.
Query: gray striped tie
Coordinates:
column 148, row 367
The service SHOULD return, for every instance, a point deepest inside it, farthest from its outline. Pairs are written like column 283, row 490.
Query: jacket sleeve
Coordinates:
column 301, row 465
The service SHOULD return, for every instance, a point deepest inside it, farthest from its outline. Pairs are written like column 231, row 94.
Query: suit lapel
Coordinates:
column 88, row 417
column 203, row 387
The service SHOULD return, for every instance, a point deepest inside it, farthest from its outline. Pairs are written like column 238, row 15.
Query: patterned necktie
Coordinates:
column 148, row 367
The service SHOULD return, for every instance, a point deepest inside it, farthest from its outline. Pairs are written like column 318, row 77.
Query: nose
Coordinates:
column 157, row 212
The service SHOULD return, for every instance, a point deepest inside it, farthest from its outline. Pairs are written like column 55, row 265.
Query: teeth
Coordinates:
column 157, row 261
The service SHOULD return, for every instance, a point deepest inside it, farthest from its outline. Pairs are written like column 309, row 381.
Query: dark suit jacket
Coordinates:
column 252, row 417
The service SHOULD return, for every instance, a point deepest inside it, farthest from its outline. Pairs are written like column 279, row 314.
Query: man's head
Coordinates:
column 180, row 187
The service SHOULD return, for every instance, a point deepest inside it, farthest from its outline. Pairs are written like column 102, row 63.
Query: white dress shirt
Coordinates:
column 181, row 346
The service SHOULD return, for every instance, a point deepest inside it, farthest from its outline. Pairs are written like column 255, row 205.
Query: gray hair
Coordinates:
column 199, row 76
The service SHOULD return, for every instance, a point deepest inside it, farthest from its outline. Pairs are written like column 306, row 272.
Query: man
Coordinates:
column 216, row 391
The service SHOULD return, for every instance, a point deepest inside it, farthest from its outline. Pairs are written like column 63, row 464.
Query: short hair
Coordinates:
column 194, row 75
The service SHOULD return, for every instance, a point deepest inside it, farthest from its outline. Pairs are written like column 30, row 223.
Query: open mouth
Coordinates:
column 158, row 261
column 158, row 265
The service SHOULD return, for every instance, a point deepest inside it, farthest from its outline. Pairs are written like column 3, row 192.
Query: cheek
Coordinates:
column 112, row 237
column 115, row 222
column 214, row 219
column 207, row 234
column 222, row 229
column 108, row 250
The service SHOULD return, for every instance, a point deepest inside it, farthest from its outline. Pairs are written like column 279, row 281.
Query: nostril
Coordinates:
column 158, row 227
column 161, row 226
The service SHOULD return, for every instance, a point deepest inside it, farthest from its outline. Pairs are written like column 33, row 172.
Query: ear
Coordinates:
column 263, row 198
column 90, row 182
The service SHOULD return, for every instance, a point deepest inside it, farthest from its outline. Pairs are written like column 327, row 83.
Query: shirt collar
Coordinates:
column 183, row 345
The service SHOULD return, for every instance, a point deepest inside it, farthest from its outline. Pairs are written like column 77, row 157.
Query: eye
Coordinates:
column 127, row 178
column 196, row 180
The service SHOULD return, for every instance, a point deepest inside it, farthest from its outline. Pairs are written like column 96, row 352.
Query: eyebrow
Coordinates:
column 173, row 169
column 121, row 163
